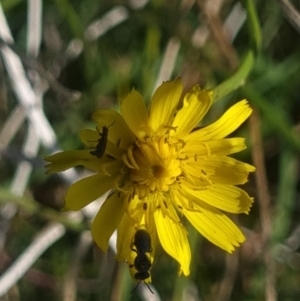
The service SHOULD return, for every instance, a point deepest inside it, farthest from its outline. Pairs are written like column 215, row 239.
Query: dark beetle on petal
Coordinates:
column 142, row 263
column 142, row 241
column 101, row 142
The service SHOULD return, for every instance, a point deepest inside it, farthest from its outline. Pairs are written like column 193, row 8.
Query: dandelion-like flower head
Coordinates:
column 159, row 167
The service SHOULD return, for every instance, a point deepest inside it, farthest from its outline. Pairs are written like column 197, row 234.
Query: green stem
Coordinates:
column 237, row 79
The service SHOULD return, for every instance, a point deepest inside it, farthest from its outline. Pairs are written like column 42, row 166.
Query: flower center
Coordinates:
column 154, row 165
column 157, row 171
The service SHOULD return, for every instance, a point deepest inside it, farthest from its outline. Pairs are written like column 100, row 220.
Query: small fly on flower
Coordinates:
column 142, row 263
column 101, row 142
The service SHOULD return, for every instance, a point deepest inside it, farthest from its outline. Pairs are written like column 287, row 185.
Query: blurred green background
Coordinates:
column 104, row 48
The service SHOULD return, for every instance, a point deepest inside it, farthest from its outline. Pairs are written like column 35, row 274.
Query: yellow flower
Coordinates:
column 160, row 167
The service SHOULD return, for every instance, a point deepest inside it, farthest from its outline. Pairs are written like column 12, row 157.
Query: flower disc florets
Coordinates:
column 154, row 165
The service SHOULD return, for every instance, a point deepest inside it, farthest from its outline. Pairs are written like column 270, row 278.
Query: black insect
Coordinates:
column 142, row 241
column 101, row 142
column 142, row 263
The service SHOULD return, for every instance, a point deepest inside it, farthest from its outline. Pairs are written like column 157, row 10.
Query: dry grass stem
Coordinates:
column 264, row 201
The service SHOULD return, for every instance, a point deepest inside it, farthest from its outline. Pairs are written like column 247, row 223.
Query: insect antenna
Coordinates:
column 147, row 286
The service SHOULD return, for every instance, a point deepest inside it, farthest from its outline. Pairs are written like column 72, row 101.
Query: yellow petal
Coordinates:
column 87, row 190
column 164, row 103
column 128, row 225
column 124, row 239
column 229, row 122
column 195, row 105
column 220, row 147
column 226, row 170
column 67, row 159
column 151, row 228
column 107, row 220
column 221, row 170
column 118, row 131
column 141, row 216
column 89, row 137
column 173, row 238
column 106, row 117
column 135, row 114
column 225, row 197
column 216, row 227
column 135, row 210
